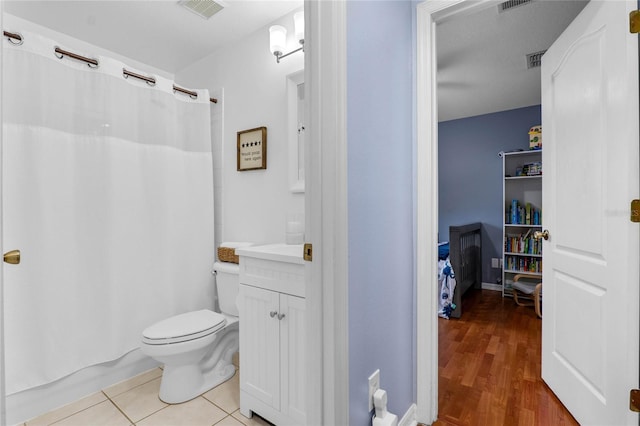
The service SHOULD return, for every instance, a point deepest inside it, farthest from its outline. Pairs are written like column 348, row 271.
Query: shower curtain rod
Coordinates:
column 94, row 62
column 191, row 93
column 126, row 73
column 152, row 81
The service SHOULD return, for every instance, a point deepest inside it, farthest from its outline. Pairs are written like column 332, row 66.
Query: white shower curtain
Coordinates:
column 108, row 193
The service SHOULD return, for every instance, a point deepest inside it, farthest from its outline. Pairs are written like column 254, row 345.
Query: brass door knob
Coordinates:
column 544, row 234
column 12, row 257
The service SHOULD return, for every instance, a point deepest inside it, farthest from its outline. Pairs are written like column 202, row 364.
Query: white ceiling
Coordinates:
column 159, row 33
column 481, row 57
column 482, row 66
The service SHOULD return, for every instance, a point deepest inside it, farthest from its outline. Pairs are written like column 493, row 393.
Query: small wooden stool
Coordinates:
column 531, row 289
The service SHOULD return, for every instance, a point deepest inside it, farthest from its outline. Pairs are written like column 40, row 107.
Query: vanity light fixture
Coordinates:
column 278, row 37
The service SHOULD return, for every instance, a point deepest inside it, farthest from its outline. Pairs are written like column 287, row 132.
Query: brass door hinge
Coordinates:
column 635, row 211
column 634, row 400
column 634, row 22
column 307, row 253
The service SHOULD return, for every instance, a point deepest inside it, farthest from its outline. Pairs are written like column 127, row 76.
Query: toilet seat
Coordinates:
column 184, row 327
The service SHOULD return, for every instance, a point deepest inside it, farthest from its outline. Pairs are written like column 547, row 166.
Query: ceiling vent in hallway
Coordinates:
column 203, row 8
column 534, row 60
column 508, row 5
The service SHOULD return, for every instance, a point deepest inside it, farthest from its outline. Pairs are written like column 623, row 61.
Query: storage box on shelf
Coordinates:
column 522, row 204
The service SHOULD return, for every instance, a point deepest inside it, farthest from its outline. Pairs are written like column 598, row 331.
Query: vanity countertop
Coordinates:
column 291, row 253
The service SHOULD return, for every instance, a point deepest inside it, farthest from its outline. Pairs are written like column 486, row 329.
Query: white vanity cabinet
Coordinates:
column 272, row 333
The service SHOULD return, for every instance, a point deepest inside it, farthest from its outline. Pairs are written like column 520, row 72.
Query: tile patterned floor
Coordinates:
column 135, row 402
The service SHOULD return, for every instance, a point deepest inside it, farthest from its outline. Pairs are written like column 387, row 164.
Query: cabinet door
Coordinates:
column 259, row 344
column 293, row 357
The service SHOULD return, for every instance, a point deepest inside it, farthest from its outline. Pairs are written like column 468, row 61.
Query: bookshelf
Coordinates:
column 522, row 213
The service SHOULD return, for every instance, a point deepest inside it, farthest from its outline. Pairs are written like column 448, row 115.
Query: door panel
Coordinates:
column 590, row 157
column 581, row 134
column 590, row 317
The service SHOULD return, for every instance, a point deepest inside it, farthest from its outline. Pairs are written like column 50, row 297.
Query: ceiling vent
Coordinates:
column 534, row 60
column 508, row 5
column 203, row 8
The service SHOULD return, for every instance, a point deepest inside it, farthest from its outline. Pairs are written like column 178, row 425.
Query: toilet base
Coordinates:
column 177, row 385
column 183, row 382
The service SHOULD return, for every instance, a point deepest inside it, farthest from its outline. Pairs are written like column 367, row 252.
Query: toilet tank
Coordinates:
column 228, row 284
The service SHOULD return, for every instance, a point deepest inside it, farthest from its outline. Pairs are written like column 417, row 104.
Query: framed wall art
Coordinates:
column 252, row 149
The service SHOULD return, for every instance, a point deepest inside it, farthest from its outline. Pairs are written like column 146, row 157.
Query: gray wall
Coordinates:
column 470, row 174
column 380, row 46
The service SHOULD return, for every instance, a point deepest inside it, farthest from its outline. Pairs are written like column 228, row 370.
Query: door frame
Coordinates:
column 428, row 15
column 326, row 277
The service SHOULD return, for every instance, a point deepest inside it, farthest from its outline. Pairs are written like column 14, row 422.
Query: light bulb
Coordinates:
column 277, row 39
column 298, row 25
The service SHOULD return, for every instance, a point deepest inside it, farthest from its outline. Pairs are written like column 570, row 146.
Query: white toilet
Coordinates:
column 196, row 348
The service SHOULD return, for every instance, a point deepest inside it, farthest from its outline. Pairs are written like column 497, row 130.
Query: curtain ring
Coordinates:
column 147, row 79
column 16, row 43
column 60, row 54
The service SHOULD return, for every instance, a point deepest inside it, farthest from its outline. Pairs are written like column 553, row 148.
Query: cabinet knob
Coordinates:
column 273, row 314
column 280, row 316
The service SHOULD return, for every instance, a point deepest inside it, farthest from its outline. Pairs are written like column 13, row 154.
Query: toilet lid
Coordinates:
column 183, row 327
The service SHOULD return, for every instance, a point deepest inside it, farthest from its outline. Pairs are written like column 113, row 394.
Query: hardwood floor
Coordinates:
column 489, row 366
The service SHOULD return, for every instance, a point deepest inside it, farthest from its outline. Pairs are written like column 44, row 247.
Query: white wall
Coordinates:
column 250, row 205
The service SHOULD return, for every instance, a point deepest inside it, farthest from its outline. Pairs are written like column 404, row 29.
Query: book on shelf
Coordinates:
column 518, row 214
column 523, row 264
column 522, row 243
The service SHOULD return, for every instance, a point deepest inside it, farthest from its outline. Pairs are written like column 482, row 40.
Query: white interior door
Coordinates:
column 590, row 163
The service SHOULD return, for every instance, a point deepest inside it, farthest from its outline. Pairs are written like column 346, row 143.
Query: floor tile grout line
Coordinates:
column 169, row 405
column 136, row 386
column 214, row 404
column 70, row 415
column 118, row 408
column 62, row 418
column 224, row 418
column 112, row 399
column 128, row 390
column 151, row 414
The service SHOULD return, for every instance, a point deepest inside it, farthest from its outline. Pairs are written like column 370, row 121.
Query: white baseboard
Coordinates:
column 33, row 402
column 491, row 286
column 409, row 418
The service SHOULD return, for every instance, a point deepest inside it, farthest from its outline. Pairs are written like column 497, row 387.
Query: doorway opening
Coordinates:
column 478, row 85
